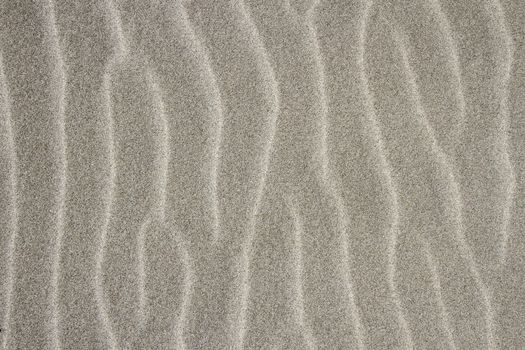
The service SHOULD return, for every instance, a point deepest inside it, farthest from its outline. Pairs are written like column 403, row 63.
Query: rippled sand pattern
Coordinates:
column 262, row 174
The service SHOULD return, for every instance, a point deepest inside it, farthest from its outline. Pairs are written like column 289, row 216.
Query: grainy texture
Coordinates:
column 262, row 174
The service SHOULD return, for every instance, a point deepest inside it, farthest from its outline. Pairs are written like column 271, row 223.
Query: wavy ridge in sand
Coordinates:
column 61, row 95
column 387, row 178
column 10, row 150
column 272, row 94
column 119, row 55
column 452, row 184
column 298, row 247
column 326, row 172
column 494, row 8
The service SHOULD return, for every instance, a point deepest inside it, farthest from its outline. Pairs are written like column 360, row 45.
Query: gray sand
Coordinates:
column 262, row 174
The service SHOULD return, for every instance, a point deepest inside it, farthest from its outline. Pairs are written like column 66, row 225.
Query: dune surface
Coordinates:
column 262, row 174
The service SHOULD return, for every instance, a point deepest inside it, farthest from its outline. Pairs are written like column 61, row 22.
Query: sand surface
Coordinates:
column 262, row 174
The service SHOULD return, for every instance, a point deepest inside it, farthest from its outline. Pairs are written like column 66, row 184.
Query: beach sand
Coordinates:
column 262, row 174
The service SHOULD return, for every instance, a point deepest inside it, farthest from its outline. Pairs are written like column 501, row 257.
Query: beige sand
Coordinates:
column 262, row 174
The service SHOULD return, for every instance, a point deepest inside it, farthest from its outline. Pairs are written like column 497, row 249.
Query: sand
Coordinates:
column 262, row 174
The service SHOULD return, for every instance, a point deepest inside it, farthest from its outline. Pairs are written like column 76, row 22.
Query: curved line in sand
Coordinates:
column 273, row 96
column 157, row 213
column 60, row 71
column 213, row 91
column 386, row 173
column 445, row 164
column 451, row 49
column 327, row 175
column 297, row 252
column 13, row 176
column 495, row 8
column 121, row 51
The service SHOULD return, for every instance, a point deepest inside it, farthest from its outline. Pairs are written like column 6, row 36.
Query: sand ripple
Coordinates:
column 249, row 174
